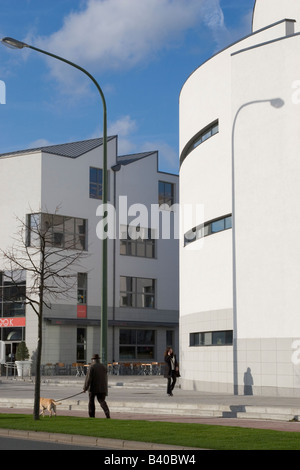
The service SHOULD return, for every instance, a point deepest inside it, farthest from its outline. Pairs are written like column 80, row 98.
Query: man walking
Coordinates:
column 96, row 384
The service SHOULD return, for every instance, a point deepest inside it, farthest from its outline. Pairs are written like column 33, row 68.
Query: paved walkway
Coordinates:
column 145, row 398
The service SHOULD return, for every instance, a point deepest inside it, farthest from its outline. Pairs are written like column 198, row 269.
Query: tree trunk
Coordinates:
column 37, row 388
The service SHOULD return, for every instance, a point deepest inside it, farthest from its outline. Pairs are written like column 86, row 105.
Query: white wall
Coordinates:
column 20, row 194
column 139, row 182
column 20, row 187
column 266, row 150
column 267, row 12
column 65, row 185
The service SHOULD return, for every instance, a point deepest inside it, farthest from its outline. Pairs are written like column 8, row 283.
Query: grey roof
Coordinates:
column 76, row 149
column 70, row 150
column 126, row 159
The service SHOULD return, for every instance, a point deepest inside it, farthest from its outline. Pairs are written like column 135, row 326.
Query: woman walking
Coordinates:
column 171, row 370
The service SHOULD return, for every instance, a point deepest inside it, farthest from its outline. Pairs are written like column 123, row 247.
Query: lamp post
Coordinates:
column 15, row 44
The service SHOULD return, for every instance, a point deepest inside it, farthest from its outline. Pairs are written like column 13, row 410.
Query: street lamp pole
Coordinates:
column 14, row 43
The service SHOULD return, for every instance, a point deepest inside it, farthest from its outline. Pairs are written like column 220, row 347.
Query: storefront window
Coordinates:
column 81, row 345
column 137, row 345
column 12, row 294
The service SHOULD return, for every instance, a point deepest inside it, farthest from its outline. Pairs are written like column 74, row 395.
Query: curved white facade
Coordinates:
column 269, row 11
column 239, row 286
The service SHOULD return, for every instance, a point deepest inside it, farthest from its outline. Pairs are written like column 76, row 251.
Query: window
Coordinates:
column 82, row 288
column 59, row 231
column 170, row 338
column 96, row 182
column 137, row 242
column 12, row 293
column 202, row 136
column 12, row 334
column 211, row 338
column 136, row 345
column 137, row 292
column 81, row 345
column 208, row 228
column 165, row 193
column 217, row 226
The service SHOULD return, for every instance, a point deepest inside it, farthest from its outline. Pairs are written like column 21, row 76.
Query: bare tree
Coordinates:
column 51, row 263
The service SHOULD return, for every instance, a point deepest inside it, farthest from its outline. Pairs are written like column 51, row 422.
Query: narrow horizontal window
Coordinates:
column 208, row 228
column 209, row 131
column 211, row 338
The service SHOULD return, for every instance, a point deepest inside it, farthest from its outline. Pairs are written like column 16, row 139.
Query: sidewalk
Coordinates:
column 144, row 397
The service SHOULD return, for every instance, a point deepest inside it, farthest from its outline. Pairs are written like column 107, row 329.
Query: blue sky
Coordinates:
column 140, row 51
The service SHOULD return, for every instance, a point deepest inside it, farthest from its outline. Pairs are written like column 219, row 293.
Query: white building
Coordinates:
column 240, row 262
column 63, row 183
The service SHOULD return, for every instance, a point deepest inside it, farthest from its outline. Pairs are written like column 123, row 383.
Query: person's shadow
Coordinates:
column 248, row 382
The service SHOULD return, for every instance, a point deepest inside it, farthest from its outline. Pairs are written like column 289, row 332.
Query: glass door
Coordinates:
column 10, row 357
column 10, row 351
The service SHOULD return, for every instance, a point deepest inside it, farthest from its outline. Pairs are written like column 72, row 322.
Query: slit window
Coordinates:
column 211, row 338
column 202, row 136
column 208, row 228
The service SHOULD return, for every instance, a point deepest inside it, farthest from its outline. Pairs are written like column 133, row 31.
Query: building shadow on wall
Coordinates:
column 234, row 410
column 248, row 390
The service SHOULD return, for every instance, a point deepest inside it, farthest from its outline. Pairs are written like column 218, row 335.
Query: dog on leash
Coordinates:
column 48, row 404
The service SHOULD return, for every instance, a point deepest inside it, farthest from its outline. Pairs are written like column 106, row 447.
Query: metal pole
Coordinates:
column 103, row 338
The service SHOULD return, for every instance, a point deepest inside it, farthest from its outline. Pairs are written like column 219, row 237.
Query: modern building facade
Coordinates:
column 60, row 187
column 239, row 262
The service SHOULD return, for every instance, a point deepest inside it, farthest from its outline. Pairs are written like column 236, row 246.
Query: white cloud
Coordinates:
column 117, row 34
column 222, row 35
column 213, row 15
column 167, row 155
column 39, row 143
column 214, row 20
column 122, row 126
column 125, row 128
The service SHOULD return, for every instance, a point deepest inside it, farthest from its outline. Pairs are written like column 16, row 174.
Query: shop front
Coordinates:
column 12, row 332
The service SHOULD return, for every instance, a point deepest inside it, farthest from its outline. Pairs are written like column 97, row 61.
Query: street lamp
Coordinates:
column 15, row 44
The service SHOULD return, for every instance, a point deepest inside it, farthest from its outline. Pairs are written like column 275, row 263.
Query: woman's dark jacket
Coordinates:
column 168, row 367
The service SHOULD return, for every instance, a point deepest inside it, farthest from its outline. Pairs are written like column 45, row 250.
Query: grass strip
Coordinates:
column 182, row 434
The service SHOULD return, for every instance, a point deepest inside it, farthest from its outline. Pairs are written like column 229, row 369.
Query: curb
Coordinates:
column 89, row 441
column 269, row 413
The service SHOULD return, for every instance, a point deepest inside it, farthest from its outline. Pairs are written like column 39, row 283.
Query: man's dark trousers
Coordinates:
column 101, row 400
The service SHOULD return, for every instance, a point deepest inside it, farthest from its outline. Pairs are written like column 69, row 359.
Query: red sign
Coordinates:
column 81, row 311
column 12, row 322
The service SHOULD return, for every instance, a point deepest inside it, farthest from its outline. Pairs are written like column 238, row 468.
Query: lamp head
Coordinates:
column 13, row 43
column 277, row 103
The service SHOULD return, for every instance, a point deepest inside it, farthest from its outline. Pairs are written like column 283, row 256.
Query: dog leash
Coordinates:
column 62, row 399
